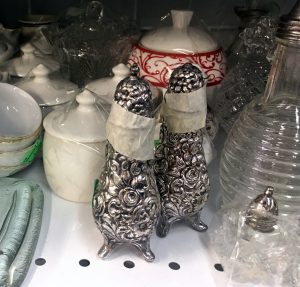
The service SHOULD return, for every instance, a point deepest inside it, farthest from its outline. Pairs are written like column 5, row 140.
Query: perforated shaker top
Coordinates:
column 134, row 94
column 185, row 79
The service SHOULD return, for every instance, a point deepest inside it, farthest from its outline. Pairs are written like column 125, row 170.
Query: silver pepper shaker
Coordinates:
column 126, row 202
column 262, row 211
column 180, row 168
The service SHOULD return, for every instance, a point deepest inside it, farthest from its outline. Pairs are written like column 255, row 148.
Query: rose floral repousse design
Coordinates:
column 126, row 203
column 182, row 178
column 156, row 67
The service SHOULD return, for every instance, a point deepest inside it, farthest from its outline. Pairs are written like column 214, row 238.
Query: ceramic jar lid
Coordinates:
column 21, row 66
column 179, row 38
column 46, row 89
column 105, row 87
column 84, row 122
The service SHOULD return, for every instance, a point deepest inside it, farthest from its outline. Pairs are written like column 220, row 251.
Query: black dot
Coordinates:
column 174, row 265
column 219, row 267
column 84, row 262
column 40, row 261
column 129, row 264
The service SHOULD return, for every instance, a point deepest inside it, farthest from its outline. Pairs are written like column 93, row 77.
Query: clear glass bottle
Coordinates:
column 249, row 66
column 263, row 147
column 247, row 16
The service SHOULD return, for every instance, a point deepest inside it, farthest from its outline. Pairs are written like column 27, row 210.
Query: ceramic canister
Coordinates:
column 162, row 50
column 74, row 148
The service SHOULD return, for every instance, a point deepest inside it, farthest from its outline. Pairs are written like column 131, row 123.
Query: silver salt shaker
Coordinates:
column 126, row 202
column 180, row 167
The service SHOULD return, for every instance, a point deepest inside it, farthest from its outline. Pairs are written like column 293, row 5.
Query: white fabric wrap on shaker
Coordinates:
column 185, row 112
column 130, row 134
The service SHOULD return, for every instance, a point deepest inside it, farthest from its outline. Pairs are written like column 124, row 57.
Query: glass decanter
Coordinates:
column 247, row 16
column 263, row 147
column 249, row 66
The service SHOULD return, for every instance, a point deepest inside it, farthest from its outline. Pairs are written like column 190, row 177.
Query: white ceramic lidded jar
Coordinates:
column 21, row 66
column 50, row 92
column 162, row 50
column 74, row 148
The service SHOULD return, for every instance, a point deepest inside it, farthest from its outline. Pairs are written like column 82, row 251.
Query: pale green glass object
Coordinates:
column 21, row 210
column 263, row 147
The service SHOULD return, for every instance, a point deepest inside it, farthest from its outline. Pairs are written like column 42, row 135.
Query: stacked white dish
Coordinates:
column 20, row 128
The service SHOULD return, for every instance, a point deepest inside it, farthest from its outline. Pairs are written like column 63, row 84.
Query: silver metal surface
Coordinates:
column 262, row 211
column 182, row 179
column 185, row 79
column 289, row 25
column 180, row 168
column 126, row 202
column 134, row 94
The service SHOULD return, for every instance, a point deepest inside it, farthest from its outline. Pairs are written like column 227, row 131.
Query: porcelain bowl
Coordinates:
column 10, row 170
column 19, row 157
column 20, row 119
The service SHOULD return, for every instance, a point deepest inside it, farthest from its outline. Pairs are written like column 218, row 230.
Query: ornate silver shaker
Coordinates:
column 262, row 211
column 126, row 202
column 180, row 167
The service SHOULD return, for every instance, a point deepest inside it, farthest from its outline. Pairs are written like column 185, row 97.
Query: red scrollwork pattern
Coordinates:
column 156, row 67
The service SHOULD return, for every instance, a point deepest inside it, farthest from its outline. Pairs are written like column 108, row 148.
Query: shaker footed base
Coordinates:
column 143, row 247
column 164, row 224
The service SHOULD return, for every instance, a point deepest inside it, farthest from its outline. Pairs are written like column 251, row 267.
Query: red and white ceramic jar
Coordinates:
column 161, row 51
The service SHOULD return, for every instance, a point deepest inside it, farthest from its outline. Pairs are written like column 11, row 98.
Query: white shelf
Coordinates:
column 69, row 234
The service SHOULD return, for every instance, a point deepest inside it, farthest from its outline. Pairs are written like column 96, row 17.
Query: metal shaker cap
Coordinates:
column 134, row 94
column 289, row 25
column 262, row 210
column 186, row 78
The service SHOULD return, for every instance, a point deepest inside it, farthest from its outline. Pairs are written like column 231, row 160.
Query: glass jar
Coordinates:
column 92, row 45
column 263, row 147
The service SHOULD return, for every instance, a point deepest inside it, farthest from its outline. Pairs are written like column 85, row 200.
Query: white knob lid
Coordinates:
column 83, row 123
column 86, row 101
column 27, row 48
column 181, row 18
column 41, row 71
column 121, row 71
